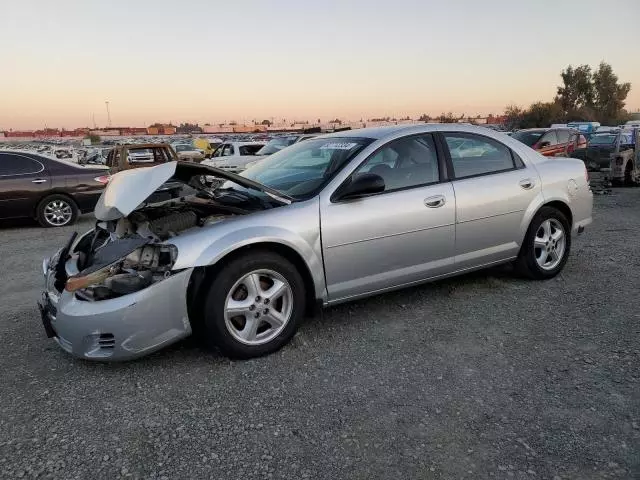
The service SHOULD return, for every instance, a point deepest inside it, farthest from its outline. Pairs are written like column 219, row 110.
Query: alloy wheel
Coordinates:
column 549, row 244
column 258, row 307
column 58, row 213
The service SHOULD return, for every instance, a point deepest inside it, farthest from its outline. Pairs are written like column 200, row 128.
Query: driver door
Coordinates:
column 400, row 236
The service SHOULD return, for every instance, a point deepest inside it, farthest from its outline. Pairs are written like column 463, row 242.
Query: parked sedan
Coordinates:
column 324, row 221
column 552, row 142
column 189, row 153
column 234, row 156
column 51, row 191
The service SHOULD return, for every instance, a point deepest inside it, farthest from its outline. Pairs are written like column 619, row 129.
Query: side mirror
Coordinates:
column 362, row 185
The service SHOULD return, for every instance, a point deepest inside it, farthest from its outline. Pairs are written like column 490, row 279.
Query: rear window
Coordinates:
column 528, row 138
column 15, row 164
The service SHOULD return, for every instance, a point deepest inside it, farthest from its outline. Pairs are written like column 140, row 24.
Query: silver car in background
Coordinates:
column 324, row 221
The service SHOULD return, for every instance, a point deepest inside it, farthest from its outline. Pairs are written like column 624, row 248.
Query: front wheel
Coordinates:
column 254, row 305
column 546, row 245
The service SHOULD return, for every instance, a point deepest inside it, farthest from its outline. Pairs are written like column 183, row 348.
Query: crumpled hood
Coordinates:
column 128, row 189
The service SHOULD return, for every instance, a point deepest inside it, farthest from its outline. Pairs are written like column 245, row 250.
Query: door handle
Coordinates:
column 435, row 201
column 527, row 183
column 39, row 180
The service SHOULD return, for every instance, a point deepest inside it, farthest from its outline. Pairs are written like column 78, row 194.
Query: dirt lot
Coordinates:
column 483, row 376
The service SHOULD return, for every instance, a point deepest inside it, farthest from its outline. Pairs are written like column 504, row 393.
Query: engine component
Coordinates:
column 176, row 222
column 154, row 257
column 125, row 283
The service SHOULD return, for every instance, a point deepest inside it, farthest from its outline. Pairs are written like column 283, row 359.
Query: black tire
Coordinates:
column 67, row 201
column 628, row 176
column 526, row 263
column 215, row 329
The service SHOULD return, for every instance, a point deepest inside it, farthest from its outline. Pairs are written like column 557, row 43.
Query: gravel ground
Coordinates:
column 483, row 376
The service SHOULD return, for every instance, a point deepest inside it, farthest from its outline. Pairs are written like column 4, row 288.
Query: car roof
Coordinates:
column 378, row 133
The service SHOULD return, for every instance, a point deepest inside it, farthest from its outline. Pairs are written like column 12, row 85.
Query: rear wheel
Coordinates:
column 546, row 245
column 254, row 305
column 629, row 179
column 56, row 211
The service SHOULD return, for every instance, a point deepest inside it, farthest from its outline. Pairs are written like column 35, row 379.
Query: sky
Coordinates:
column 203, row 61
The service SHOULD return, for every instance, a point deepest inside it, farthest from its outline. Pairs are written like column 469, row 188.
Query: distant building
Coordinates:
column 161, row 129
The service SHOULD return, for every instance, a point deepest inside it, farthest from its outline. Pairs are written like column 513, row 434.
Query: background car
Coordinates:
column 551, row 142
column 189, row 153
column 51, row 191
column 234, row 156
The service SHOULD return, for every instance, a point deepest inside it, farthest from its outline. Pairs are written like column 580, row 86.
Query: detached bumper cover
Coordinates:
column 122, row 328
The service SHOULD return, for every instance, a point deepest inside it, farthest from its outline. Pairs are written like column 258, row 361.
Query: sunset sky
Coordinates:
column 214, row 61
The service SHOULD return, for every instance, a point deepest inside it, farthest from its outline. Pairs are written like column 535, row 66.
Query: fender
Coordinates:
column 256, row 235
column 295, row 226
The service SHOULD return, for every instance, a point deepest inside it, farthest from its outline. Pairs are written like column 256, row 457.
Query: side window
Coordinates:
column 475, row 155
column 11, row 164
column 563, row 136
column 249, row 149
column 227, row 150
column 404, row 163
column 550, row 137
column 160, row 156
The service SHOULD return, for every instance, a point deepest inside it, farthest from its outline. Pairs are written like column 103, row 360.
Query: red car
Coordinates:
column 552, row 142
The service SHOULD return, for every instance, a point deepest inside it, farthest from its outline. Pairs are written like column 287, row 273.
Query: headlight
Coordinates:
column 141, row 268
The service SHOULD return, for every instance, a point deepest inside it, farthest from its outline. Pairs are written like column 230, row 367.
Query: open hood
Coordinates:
column 128, row 189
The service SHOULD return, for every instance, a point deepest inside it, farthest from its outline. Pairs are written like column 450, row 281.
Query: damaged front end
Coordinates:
column 113, row 293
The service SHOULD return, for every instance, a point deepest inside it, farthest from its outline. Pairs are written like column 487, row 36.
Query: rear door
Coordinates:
column 23, row 182
column 493, row 189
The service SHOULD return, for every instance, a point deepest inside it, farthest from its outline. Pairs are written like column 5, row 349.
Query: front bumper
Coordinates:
column 122, row 328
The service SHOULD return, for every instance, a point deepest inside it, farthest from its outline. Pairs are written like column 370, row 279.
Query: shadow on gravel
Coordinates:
column 191, row 351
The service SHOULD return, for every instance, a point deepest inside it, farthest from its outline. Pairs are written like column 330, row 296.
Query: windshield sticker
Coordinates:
column 338, row 146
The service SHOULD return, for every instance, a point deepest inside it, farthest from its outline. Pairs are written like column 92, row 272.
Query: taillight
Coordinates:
column 103, row 179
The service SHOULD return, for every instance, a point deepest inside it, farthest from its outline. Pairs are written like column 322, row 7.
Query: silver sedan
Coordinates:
column 328, row 220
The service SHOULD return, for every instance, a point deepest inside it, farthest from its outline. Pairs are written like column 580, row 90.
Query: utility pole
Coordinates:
column 108, row 113
column 93, row 118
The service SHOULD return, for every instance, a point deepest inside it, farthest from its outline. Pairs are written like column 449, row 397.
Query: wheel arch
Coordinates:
column 203, row 275
column 559, row 204
column 51, row 193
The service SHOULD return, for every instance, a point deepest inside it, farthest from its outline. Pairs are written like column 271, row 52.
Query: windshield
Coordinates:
column 603, row 139
column 302, row 169
column 529, row 138
column 183, row 148
column 276, row 145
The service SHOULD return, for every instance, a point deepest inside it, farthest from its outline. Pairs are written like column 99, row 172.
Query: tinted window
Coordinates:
column 563, row 136
column 550, row 137
column 249, row 149
column 528, row 137
column 12, row 164
column 404, row 163
column 475, row 155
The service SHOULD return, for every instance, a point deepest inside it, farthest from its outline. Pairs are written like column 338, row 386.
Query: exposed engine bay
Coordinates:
column 123, row 256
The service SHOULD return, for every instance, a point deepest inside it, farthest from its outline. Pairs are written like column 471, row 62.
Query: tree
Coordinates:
column 610, row 95
column 336, row 120
column 577, row 89
column 513, row 117
column 447, row 118
column 542, row 114
column 265, row 122
column 424, row 118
